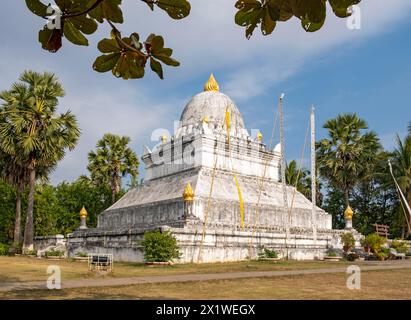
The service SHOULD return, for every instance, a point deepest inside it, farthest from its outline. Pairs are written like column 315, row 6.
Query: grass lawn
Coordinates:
column 386, row 284
column 390, row 284
column 33, row 269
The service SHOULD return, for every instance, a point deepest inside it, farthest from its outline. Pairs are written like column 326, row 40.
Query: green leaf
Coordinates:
column 167, row 60
column 157, row 44
column 37, row 7
column 310, row 26
column 267, row 24
column 340, row 7
column 176, row 9
column 106, row 63
column 108, row 9
column 157, row 68
column 84, row 24
column 50, row 39
column 73, row 34
column 108, row 46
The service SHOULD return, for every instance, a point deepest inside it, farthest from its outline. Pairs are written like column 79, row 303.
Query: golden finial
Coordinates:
column 83, row 213
column 163, row 139
column 188, row 193
column 348, row 213
column 211, row 84
column 205, row 119
column 259, row 136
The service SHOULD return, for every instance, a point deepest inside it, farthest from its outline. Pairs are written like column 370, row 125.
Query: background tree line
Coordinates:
column 33, row 139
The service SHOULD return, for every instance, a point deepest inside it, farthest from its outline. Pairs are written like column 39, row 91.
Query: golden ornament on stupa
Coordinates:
column 259, row 136
column 348, row 213
column 163, row 139
column 211, row 84
column 83, row 213
column 188, row 194
column 205, row 119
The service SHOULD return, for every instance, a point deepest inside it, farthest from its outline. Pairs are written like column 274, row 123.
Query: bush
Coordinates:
column 31, row 252
column 54, row 253
column 375, row 242
column 332, row 254
column 267, row 254
column 352, row 256
column 348, row 240
column 400, row 246
column 4, row 249
column 408, row 254
column 160, row 247
column 81, row 254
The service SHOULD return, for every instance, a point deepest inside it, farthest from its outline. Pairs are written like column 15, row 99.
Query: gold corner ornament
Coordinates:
column 163, row 139
column 83, row 212
column 348, row 213
column 259, row 136
column 211, row 84
column 206, row 119
column 188, row 194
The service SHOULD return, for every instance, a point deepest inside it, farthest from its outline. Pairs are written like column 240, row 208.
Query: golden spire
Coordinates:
column 348, row 213
column 206, row 119
column 259, row 136
column 188, row 193
column 211, row 84
column 163, row 139
column 83, row 212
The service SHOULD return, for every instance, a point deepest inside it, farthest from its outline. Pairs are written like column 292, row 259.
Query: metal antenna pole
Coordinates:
column 283, row 168
column 313, row 177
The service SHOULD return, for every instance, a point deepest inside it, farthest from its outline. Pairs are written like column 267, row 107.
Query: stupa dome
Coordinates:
column 210, row 106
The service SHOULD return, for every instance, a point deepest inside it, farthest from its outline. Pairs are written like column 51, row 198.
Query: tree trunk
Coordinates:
column 113, row 195
column 17, row 221
column 346, row 198
column 29, row 230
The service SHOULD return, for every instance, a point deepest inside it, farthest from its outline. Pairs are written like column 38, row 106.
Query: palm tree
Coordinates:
column 297, row 177
column 16, row 175
column 112, row 160
column 31, row 132
column 402, row 165
column 345, row 156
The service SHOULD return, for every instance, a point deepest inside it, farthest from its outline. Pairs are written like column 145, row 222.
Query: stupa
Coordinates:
column 217, row 189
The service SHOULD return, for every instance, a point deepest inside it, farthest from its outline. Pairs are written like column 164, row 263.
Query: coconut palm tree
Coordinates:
column 32, row 132
column 347, row 153
column 402, row 165
column 112, row 160
column 297, row 177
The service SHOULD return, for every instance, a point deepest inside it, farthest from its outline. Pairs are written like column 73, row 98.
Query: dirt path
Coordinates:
column 110, row 282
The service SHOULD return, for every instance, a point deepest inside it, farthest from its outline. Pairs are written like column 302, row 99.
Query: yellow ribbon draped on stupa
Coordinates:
column 240, row 196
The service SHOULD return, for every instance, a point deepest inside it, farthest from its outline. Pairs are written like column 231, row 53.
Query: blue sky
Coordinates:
column 366, row 71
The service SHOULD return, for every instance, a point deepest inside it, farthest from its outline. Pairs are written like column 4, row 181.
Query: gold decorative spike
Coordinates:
column 163, row 139
column 206, row 120
column 211, row 84
column 188, row 193
column 259, row 136
column 83, row 213
column 348, row 213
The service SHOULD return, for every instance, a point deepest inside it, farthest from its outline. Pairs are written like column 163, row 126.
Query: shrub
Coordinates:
column 352, row 256
column 332, row 254
column 375, row 242
column 31, row 252
column 4, row 249
column 408, row 254
column 81, row 254
column 160, row 247
column 54, row 253
column 400, row 246
column 348, row 240
column 267, row 254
